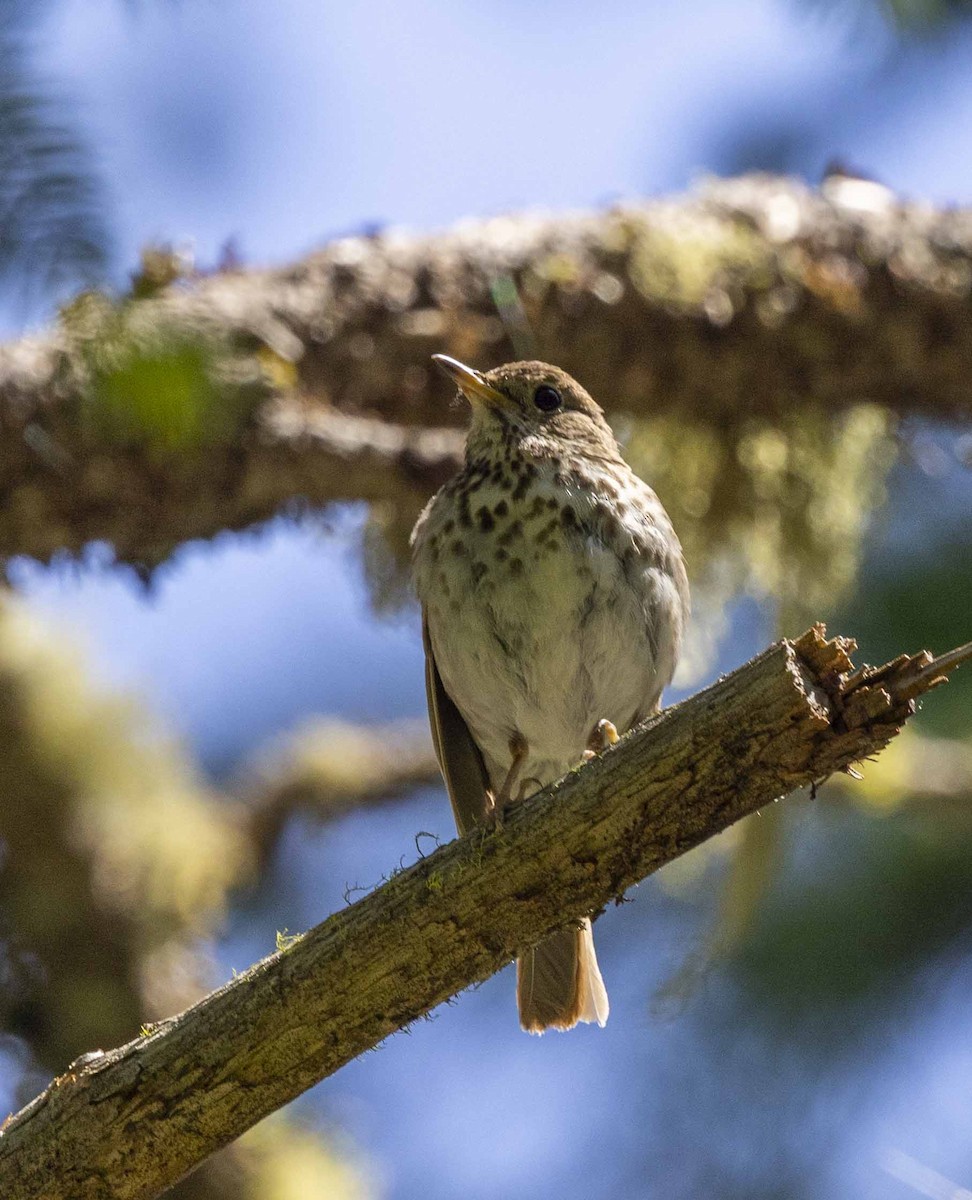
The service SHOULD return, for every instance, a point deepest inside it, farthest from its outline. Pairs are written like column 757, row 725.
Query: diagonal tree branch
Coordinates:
column 754, row 295
column 129, row 1123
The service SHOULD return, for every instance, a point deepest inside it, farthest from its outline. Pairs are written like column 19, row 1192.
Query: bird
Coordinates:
column 554, row 597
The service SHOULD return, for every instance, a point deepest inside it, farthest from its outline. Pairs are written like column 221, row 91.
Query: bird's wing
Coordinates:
column 459, row 757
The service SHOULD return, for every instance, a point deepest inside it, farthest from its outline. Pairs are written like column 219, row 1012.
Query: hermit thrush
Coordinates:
column 553, row 594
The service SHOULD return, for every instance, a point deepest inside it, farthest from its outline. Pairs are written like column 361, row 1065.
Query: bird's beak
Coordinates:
column 471, row 383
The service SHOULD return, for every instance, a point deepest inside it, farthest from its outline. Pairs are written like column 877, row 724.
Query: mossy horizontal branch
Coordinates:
column 128, row 1123
column 221, row 399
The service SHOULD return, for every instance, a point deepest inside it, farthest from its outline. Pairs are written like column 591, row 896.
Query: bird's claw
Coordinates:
column 603, row 734
column 495, row 812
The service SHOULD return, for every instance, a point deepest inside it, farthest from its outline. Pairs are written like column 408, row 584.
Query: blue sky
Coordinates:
column 284, row 123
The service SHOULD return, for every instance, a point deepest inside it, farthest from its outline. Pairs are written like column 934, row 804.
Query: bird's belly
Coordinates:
column 544, row 651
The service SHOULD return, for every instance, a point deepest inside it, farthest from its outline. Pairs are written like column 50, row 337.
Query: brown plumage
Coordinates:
column 553, row 595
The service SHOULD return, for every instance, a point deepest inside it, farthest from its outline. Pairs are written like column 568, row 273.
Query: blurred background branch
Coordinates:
column 748, row 299
column 326, row 769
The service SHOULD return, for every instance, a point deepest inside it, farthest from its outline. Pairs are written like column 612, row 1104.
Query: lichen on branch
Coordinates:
column 222, row 399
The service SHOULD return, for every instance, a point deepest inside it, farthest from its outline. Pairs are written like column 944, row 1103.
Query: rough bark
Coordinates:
column 754, row 295
column 128, row 1123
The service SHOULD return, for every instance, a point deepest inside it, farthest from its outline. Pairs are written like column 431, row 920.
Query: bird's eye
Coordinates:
column 547, row 398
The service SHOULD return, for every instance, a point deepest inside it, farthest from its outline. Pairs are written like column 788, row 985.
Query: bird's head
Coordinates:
column 534, row 405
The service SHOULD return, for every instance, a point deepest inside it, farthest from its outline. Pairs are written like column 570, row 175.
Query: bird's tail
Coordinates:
column 558, row 983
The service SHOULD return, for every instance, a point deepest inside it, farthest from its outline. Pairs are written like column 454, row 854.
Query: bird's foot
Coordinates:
column 603, row 734
column 498, row 802
column 496, row 808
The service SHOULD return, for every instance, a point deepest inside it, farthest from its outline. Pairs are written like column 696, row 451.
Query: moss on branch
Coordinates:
column 228, row 397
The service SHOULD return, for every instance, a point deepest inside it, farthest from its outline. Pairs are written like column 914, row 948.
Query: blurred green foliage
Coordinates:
column 925, row 15
column 858, row 933
column 161, row 396
column 165, row 389
column 776, row 510
column 922, row 598
column 911, row 18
